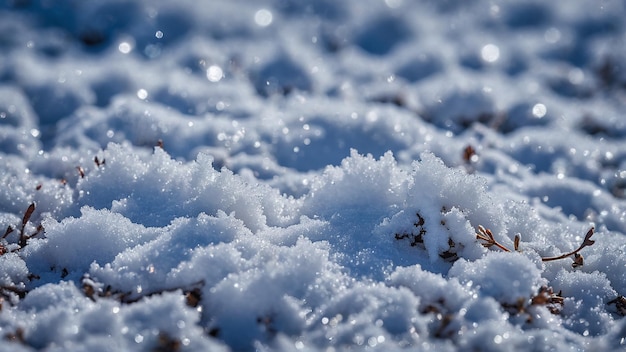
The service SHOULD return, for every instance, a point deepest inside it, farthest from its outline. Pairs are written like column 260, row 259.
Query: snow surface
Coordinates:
column 285, row 175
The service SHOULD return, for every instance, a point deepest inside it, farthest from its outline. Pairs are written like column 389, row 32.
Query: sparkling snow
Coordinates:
column 285, row 175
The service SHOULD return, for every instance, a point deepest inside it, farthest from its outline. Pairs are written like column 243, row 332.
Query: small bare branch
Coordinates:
column 578, row 259
column 23, row 236
column 546, row 297
column 28, row 214
column 7, row 232
column 38, row 230
column 25, row 219
column 620, row 304
column 486, row 235
column 21, row 293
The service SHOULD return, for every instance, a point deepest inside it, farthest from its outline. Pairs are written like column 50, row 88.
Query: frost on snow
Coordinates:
column 283, row 176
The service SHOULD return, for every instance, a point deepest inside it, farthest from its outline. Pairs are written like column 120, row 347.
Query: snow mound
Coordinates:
column 324, row 176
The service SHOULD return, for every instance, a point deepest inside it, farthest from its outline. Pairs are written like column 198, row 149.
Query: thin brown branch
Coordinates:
column 7, row 232
column 516, row 242
column 486, row 235
column 25, row 219
column 586, row 242
column 489, row 241
column 21, row 293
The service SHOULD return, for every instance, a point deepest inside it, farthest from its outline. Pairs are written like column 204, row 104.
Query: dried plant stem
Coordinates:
column 489, row 240
column 487, row 236
column 7, row 232
column 586, row 242
column 501, row 247
column 562, row 256
column 18, row 291
column 27, row 215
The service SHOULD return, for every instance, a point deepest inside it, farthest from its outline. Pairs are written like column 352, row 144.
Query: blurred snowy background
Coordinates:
column 312, row 175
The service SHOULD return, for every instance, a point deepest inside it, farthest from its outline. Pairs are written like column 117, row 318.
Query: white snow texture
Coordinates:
column 284, row 175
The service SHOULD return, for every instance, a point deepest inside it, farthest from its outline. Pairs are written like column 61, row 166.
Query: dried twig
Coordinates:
column 488, row 239
column 23, row 236
column 7, row 232
column 546, row 297
column 21, row 293
column 486, row 235
column 25, row 219
column 578, row 259
column 620, row 304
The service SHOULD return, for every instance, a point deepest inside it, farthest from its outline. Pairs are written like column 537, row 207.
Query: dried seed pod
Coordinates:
column 588, row 241
column 578, row 260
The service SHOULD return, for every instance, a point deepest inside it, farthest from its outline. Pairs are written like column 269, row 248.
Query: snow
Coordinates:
column 322, row 176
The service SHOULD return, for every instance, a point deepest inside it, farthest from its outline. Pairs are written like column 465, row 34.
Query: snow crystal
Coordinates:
column 283, row 175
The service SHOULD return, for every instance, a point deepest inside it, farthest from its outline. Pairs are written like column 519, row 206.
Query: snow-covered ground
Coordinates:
column 323, row 175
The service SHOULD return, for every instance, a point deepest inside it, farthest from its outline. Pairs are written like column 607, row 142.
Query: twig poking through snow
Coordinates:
column 27, row 215
column 486, row 235
column 578, row 258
